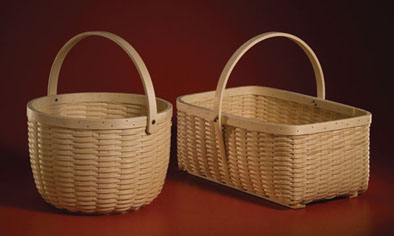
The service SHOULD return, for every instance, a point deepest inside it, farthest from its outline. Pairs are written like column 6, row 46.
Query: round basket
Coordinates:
column 99, row 152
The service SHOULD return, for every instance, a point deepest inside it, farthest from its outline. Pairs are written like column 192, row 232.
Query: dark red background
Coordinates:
column 185, row 45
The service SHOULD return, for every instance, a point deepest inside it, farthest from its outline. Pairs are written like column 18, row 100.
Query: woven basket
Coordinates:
column 286, row 147
column 99, row 152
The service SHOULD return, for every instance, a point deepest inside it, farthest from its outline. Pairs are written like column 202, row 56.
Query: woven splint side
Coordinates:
column 99, row 171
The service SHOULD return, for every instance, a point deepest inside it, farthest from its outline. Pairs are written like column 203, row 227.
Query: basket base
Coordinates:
column 93, row 212
column 295, row 206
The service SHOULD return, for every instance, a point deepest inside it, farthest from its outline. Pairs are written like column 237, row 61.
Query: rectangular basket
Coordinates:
column 286, row 147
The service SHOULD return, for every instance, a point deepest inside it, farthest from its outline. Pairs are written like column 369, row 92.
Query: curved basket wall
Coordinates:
column 99, row 152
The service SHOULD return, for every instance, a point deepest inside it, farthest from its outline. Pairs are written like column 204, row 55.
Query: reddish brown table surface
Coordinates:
column 188, row 205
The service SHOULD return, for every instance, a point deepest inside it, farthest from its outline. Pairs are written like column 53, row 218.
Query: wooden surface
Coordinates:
column 192, row 206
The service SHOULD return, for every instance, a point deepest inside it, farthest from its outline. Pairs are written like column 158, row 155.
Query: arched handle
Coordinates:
column 217, row 110
column 135, row 57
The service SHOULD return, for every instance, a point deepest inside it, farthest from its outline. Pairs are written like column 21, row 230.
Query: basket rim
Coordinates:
column 34, row 114
column 358, row 117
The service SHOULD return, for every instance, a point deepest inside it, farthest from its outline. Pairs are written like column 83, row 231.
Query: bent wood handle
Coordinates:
column 135, row 57
column 217, row 111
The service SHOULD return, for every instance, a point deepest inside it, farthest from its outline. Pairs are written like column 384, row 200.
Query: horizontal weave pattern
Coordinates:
column 292, row 170
column 99, row 171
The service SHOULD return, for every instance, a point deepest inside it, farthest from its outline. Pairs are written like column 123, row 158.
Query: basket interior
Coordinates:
column 96, row 106
column 272, row 109
column 98, row 110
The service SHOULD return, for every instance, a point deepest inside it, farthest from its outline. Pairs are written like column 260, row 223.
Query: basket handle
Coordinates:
column 135, row 57
column 217, row 111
